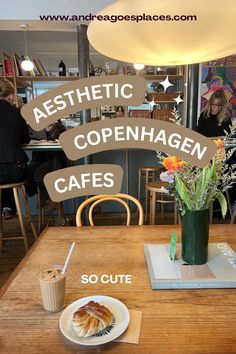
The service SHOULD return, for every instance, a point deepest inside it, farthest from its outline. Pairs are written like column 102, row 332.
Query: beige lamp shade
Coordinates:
column 165, row 40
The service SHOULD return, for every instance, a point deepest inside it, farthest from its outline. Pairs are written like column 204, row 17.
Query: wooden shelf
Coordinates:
column 219, row 66
column 163, row 97
column 19, row 82
column 24, row 81
column 47, row 78
column 169, row 101
column 43, row 78
column 160, row 77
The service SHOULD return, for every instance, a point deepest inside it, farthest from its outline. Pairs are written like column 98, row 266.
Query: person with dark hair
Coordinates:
column 13, row 133
column 214, row 121
column 120, row 112
column 214, row 118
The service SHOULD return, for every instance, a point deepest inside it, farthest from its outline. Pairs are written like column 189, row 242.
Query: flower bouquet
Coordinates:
column 195, row 189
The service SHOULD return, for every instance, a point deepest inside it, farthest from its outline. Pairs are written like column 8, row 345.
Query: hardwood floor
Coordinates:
column 14, row 251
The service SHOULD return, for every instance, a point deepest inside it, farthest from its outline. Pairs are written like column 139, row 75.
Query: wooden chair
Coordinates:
column 17, row 187
column 149, row 173
column 103, row 197
column 158, row 196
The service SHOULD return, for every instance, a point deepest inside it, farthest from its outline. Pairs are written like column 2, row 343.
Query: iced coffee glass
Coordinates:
column 52, row 285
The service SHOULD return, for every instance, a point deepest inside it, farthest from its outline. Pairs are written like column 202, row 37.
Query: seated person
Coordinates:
column 13, row 133
column 214, row 119
column 45, row 162
column 120, row 112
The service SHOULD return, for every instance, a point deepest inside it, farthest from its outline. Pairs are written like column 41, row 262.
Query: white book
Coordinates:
column 218, row 272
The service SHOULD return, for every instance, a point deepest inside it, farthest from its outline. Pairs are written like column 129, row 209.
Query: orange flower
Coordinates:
column 220, row 148
column 173, row 163
column 220, row 153
column 219, row 143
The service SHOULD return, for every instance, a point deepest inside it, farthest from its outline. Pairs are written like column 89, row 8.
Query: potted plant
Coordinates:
column 195, row 189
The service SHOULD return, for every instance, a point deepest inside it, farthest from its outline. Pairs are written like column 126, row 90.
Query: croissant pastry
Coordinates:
column 91, row 319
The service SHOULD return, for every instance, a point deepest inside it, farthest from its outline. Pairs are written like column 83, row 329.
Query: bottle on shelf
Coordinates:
column 91, row 69
column 62, row 68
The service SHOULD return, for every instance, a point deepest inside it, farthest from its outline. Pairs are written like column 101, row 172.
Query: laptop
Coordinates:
column 37, row 135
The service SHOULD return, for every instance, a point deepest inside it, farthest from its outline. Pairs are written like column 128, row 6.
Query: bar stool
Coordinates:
column 155, row 188
column 42, row 210
column 149, row 173
column 17, row 188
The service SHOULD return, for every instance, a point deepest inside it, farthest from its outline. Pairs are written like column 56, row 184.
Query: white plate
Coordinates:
column 119, row 310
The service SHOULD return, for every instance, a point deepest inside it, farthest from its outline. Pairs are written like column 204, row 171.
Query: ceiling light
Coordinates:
column 139, row 66
column 160, row 33
column 26, row 64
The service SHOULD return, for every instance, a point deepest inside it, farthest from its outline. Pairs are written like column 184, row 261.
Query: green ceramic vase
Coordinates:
column 195, row 235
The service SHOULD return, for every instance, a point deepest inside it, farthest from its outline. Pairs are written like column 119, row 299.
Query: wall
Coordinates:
column 26, row 9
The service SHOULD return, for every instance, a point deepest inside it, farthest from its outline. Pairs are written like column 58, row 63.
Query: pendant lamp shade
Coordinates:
column 139, row 66
column 159, row 32
column 26, row 64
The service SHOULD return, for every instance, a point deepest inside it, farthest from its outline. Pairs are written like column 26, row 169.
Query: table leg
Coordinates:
column 211, row 213
column 146, row 196
column 153, row 208
column 139, row 185
column 1, row 228
column 20, row 217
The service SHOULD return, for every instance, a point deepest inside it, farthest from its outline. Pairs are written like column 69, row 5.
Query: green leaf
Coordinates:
column 223, row 203
column 182, row 190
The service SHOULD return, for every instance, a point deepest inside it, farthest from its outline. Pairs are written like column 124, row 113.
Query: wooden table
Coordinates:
column 173, row 321
column 42, row 146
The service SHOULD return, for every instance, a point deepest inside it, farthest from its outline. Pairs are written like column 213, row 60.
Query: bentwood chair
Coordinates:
column 95, row 200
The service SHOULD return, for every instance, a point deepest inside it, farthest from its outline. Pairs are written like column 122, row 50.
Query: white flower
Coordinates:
column 167, row 177
column 164, row 190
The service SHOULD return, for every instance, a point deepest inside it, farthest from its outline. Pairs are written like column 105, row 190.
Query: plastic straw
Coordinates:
column 68, row 257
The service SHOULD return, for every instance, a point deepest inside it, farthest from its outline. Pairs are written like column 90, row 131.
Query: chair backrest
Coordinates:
column 96, row 199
